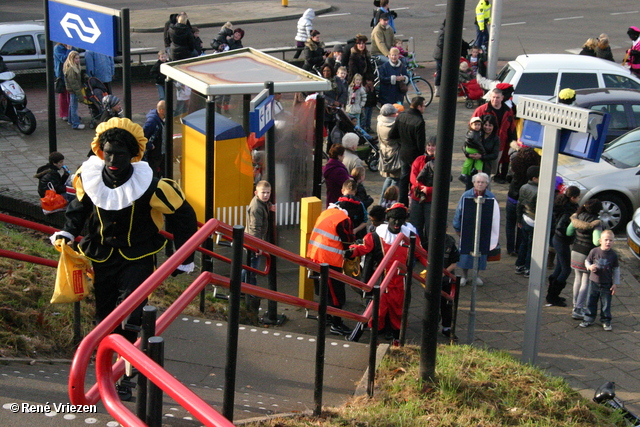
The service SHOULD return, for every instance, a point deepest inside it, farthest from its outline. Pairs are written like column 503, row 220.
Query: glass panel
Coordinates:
column 20, row 45
column 618, row 116
column 579, row 80
column 616, row 81
column 537, row 84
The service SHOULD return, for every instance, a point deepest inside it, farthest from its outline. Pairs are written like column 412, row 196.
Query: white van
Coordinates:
column 544, row 75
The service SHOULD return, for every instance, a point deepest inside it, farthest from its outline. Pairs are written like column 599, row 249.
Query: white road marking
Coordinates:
column 513, row 23
column 569, row 17
column 625, row 13
column 333, row 14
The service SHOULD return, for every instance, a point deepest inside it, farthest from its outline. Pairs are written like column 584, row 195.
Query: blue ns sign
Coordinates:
column 84, row 25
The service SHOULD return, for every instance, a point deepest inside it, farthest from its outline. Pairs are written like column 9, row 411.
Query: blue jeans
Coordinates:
column 381, row 59
column 602, row 292
column 524, row 253
column 403, row 183
column 419, row 216
column 73, row 110
column 513, row 233
column 249, row 276
column 563, row 260
column 438, row 72
column 481, row 36
column 160, row 92
column 365, row 117
column 388, row 182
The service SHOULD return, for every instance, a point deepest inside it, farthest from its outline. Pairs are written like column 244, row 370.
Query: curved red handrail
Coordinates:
column 156, row 374
column 82, row 356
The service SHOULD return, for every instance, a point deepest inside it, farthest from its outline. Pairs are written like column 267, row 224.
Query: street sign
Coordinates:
column 84, row 25
column 261, row 118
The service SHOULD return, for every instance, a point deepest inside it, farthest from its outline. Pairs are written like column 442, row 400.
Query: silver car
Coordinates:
column 633, row 234
column 23, row 45
column 614, row 180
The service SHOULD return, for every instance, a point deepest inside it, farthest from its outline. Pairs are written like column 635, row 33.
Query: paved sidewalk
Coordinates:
column 586, row 358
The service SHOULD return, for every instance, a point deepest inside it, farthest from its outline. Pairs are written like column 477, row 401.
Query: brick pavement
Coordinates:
column 586, row 358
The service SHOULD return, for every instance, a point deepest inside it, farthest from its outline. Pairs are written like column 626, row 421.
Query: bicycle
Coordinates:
column 418, row 86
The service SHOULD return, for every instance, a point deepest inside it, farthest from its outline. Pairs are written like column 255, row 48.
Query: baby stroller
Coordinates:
column 94, row 90
column 471, row 91
column 368, row 145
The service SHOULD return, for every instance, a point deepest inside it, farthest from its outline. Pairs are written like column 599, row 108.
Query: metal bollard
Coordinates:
column 234, row 322
column 149, row 314
column 154, row 404
column 373, row 345
column 320, row 342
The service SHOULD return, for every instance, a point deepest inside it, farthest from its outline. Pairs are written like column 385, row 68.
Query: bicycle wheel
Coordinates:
column 420, row 87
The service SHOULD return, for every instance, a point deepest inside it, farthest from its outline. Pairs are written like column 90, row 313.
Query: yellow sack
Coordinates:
column 72, row 278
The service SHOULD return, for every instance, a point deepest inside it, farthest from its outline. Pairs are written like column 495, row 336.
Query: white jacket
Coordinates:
column 305, row 26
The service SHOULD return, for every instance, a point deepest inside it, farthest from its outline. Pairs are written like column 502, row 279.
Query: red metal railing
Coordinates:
column 156, row 374
column 107, row 373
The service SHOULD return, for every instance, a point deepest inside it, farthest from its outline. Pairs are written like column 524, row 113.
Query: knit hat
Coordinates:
column 122, row 123
column 399, row 107
column 110, row 101
column 361, row 37
column 338, row 48
column 388, row 110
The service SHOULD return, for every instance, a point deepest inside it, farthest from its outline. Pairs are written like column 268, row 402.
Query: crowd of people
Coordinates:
column 125, row 168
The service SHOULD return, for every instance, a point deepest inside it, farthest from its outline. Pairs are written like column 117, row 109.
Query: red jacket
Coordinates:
column 506, row 127
column 416, row 167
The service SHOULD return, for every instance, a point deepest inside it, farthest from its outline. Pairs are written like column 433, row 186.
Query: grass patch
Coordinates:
column 474, row 388
column 32, row 327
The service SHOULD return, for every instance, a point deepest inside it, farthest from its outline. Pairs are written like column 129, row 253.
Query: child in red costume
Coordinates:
column 376, row 244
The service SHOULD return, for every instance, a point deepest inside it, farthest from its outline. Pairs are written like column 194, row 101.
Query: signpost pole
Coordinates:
column 51, row 96
column 126, row 60
column 539, row 252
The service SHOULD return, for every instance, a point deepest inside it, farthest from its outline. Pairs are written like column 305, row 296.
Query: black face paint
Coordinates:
column 117, row 162
column 395, row 224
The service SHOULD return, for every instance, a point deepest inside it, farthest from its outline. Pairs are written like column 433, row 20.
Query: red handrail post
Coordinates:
column 408, row 280
column 373, row 345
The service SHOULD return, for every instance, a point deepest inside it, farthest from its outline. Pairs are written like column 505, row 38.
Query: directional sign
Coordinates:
column 84, row 25
column 261, row 118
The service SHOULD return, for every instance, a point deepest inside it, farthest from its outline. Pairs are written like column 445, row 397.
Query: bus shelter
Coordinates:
column 219, row 153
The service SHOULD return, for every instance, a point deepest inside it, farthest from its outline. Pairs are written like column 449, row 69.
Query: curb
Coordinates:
column 21, row 204
column 236, row 22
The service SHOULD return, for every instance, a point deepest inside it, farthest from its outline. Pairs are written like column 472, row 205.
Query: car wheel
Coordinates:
column 614, row 214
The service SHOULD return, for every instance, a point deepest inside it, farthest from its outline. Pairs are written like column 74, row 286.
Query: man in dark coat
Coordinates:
column 409, row 129
column 154, row 132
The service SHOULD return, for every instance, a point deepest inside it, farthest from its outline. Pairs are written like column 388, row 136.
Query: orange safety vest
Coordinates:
column 325, row 245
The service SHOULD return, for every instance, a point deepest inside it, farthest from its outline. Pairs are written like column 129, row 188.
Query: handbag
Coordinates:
column 59, row 86
column 52, row 201
column 351, row 267
column 402, row 87
column 72, row 278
